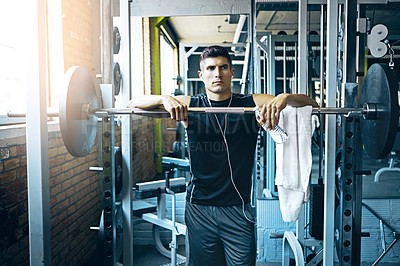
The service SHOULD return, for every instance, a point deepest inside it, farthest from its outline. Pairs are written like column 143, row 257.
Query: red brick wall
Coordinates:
column 144, row 168
column 74, row 203
column 78, row 27
column 13, row 205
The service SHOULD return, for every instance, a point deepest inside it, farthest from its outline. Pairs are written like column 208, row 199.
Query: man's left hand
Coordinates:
column 270, row 112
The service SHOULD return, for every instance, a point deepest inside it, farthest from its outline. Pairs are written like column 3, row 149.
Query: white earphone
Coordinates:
column 229, row 158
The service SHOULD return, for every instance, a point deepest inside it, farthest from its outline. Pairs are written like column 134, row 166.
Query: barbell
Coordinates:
column 78, row 111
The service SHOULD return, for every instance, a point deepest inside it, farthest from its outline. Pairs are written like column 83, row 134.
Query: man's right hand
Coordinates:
column 175, row 107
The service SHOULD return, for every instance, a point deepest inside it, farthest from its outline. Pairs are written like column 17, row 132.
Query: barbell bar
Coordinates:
column 88, row 111
column 78, row 111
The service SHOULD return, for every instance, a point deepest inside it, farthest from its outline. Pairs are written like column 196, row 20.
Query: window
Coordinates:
column 168, row 79
column 12, row 46
column 137, row 57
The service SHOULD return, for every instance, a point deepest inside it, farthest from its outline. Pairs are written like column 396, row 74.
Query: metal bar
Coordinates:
column 317, row 259
column 160, row 184
column 96, row 169
column 254, row 66
column 238, row 31
column 126, row 132
column 109, row 219
column 383, row 170
column 49, row 114
column 284, row 68
column 300, row 226
column 37, row 135
column 322, row 57
column 208, row 110
column 350, row 183
column 165, row 223
column 160, row 246
column 245, row 69
column 386, row 251
column 350, row 187
column 303, row 64
column 296, row 71
column 161, row 206
column 382, row 231
column 322, row 89
column 218, row 110
column 173, row 244
column 268, row 153
column 330, row 134
column 290, row 241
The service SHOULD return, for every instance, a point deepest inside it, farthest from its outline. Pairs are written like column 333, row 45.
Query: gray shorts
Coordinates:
column 219, row 235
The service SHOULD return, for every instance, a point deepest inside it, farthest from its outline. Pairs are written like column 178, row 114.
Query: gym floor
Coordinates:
column 149, row 256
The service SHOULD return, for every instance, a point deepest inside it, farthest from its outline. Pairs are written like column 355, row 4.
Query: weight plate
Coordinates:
column 117, row 78
column 119, row 230
column 78, row 130
column 118, row 170
column 117, row 40
column 378, row 135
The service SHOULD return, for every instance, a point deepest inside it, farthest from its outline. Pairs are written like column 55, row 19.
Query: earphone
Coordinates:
column 229, row 158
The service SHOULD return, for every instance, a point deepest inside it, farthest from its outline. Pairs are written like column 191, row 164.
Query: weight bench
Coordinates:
column 391, row 167
column 394, row 158
column 145, row 210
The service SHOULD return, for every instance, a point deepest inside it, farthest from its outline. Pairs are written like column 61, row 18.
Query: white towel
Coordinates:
column 293, row 161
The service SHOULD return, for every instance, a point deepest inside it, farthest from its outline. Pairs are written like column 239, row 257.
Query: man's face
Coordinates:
column 216, row 74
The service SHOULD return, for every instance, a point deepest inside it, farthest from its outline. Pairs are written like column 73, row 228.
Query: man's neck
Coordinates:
column 218, row 97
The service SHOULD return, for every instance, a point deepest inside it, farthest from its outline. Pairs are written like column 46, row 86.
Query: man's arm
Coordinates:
column 175, row 105
column 271, row 106
column 147, row 102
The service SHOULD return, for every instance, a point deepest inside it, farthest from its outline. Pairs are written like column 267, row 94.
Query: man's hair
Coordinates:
column 215, row 51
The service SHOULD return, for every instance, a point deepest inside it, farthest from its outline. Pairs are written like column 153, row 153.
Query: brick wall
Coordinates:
column 168, row 136
column 13, row 203
column 75, row 202
column 78, row 27
column 144, row 168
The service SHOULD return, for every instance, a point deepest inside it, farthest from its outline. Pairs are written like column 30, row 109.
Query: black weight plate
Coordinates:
column 101, row 232
column 117, row 78
column 117, row 40
column 379, row 87
column 118, row 170
column 119, row 224
column 119, row 229
column 77, row 130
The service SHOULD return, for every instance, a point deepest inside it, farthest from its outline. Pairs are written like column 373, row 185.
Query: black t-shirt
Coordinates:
column 210, row 182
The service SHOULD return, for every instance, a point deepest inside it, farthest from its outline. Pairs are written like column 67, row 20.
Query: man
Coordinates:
column 218, row 215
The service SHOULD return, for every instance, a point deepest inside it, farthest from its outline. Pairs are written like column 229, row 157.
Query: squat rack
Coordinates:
column 37, row 130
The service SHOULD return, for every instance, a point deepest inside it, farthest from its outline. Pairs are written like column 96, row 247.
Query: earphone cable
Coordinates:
column 229, row 159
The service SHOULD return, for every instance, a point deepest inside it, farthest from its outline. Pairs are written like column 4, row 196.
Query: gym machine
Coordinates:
column 79, row 117
column 348, row 49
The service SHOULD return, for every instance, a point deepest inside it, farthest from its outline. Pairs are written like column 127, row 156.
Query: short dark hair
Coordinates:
column 215, row 51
